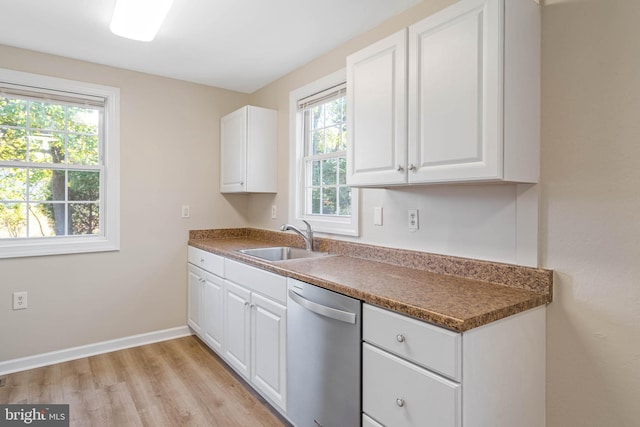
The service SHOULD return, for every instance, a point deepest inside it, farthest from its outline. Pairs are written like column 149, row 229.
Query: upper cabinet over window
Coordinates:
column 377, row 113
column 248, row 151
column 455, row 98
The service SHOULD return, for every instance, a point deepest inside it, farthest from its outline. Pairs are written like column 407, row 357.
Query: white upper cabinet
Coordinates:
column 376, row 113
column 472, row 95
column 248, row 151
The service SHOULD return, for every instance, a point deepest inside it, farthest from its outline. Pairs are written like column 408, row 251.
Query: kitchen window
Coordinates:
column 322, row 196
column 58, row 166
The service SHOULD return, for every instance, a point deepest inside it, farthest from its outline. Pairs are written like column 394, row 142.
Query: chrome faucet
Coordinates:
column 308, row 238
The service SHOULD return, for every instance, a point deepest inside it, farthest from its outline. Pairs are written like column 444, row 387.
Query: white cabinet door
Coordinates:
column 194, row 298
column 248, row 151
column 212, row 326
column 233, row 146
column 268, row 348
column 376, row 113
column 455, row 94
column 237, row 327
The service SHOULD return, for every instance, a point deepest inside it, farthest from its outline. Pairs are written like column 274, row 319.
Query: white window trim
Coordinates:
column 109, row 240
column 338, row 225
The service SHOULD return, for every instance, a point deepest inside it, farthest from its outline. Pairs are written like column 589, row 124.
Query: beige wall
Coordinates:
column 169, row 152
column 589, row 206
column 591, row 210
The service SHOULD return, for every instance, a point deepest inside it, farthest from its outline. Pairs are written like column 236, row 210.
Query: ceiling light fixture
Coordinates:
column 139, row 19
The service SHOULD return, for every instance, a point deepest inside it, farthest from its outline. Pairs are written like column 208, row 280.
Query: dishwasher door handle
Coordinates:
column 323, row 310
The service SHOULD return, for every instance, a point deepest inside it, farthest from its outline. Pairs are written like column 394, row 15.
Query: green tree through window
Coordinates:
column 50, row 171
column 327, row 192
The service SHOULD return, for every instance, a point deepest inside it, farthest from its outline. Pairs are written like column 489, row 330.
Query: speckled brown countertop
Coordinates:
column 456, row 293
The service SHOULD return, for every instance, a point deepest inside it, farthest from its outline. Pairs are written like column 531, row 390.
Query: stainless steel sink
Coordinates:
column 282, row 253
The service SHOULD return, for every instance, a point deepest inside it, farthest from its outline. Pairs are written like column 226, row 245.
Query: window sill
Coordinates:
column 331, row 226
column 56, row 246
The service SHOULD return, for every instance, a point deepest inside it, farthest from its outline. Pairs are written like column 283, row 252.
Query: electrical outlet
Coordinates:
column 185, row 211
column 274, row 211
column 412, row 219
column 19, row 300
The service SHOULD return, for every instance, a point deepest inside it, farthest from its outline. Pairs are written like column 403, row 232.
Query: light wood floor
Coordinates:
column 173, row 383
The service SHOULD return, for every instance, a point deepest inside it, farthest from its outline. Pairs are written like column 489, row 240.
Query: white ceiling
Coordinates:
column 234, row 44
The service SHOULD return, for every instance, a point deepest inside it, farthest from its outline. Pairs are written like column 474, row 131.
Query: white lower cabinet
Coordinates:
column 194, row 301
column 255, row 331
column 403, row 362
column 400, row 393
column 255, row 328
column 268, row 347
column 204, row 305
column 417, row 374
column 237, row 327
column 212, row 314
column 240, row 312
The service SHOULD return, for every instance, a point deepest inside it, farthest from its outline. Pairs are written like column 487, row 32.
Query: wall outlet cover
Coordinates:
column 412, row 219
column 20, row 300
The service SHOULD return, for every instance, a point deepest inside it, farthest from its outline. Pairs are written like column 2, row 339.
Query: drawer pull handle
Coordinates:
column 400, row 402
column 400, row 338
column 201, row 259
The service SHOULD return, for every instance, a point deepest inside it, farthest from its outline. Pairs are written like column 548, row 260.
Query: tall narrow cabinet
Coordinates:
column 248, row 151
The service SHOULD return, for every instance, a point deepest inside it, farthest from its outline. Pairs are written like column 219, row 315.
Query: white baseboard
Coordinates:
column 39, row 360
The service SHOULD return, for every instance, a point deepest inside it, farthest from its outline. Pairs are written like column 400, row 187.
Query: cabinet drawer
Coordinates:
column 429, row 346
column 400, row 394
column 206, row 260
column 264, row 282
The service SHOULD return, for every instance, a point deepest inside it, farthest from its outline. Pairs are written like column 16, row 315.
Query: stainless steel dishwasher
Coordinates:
column 323, row 357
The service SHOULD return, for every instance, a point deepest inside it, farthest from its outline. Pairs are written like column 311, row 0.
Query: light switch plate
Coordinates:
column 377, row 215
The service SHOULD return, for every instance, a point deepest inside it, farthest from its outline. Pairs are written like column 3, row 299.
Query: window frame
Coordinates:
column 109, row 237
column 331, row 224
